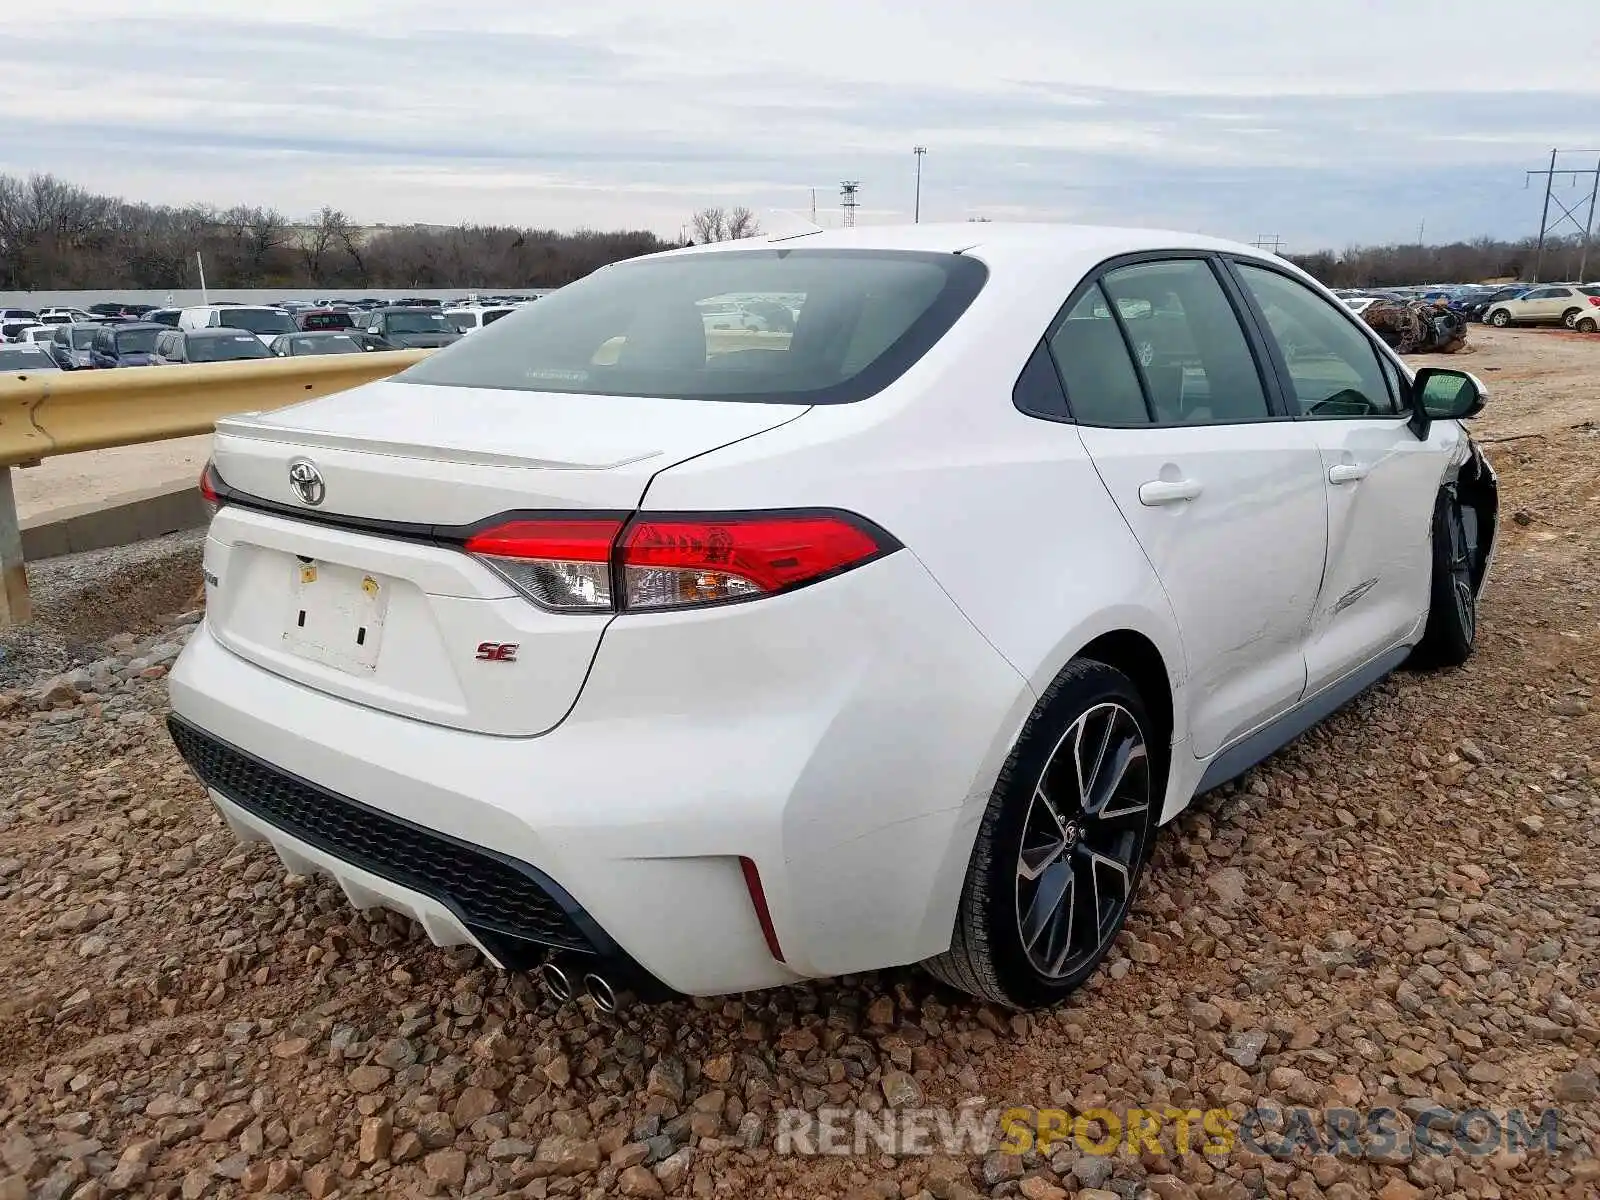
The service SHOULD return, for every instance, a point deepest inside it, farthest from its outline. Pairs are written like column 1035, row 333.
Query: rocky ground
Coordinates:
column 1401, row 909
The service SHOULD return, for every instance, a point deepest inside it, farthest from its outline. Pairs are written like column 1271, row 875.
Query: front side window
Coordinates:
column 1333, row 367
column 821, row 327
column 1190, row 350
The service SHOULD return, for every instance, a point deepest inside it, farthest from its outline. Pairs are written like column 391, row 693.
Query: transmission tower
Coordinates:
column 849, row 203
column 1568, row 215
column 1269, row 242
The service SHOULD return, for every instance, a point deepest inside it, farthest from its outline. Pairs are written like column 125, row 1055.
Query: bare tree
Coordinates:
column 723, row 225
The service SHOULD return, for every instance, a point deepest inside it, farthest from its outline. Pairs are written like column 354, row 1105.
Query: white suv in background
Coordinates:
column 266, row 322
column 1557, row 304
column 713, row 661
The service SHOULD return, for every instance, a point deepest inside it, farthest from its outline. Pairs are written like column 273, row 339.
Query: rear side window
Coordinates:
column 1096, row 371
column 787, row 326
column 1188, row 345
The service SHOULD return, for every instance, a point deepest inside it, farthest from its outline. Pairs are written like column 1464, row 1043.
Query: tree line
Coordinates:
column 55, row 235
column 1477, row 261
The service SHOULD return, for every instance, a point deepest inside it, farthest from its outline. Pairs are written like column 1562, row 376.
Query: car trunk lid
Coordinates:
column 367, row 595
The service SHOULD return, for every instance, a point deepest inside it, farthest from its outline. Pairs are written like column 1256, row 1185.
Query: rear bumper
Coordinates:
column 845, row 746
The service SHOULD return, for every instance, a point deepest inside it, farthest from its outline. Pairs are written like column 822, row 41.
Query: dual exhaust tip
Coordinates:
column 562, row 987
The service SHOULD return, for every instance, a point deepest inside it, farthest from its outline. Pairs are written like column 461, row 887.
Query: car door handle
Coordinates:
column 1162, row 491
column 1347, row 473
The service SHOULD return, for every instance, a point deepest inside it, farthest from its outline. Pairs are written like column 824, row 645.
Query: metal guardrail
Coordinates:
column 59, row 412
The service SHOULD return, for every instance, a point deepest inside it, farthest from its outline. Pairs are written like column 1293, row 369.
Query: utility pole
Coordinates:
column 1588, row 226
column 200, row 262
column 848, row 202
column 916, row 212
column 1568, row 215
column 813, row 206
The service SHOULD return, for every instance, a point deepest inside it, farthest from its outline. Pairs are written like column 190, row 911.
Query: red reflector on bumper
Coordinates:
column 758, row 898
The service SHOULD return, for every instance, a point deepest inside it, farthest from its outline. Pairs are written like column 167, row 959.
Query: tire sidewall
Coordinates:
column 1499, row 318
column 1008, row 811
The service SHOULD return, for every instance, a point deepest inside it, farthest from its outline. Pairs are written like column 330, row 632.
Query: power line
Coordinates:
column 1268, row 241
column 848, row 190
column 1568, row 215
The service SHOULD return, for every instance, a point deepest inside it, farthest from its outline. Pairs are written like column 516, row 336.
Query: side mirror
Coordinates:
column 1443, row 394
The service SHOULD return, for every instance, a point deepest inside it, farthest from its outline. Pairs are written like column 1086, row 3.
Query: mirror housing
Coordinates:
column 1444, row 394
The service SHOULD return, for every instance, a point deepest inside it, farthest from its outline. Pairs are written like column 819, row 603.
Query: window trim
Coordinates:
column 1278, row 408
column 1280, row 365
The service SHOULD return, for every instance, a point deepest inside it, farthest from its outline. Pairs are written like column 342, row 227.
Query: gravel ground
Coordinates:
column 81, row 599
column 1399, row 910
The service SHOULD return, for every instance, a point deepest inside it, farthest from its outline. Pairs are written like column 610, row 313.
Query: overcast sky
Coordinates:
column 1325, row 123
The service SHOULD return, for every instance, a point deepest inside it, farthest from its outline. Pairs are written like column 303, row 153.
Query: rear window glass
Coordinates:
column 227, row 348
column 256, row 320
column 785, row 326
column 331, row 320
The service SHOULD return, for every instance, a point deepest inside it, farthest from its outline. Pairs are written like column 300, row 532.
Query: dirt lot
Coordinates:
column 1401, row 910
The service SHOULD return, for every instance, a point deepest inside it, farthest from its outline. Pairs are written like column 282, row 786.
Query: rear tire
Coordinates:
column 1570, row 317
column 1452, row 627
column 1499, row 318
column 1062, row 846
column 1587, row 325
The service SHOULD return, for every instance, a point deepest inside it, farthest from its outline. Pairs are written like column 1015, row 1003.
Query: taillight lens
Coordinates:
column 562, row 564
column 678, row 561
column 210, row 492
column 1595, row 300
column 608, row 564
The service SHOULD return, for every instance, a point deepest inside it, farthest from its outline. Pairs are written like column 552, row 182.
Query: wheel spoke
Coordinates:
column 1127, row 751
column 1045, row 914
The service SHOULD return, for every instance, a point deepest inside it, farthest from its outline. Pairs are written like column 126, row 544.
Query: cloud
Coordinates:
column 1229, row 117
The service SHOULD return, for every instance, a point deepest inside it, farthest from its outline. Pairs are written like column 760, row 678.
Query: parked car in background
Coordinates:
column 42, row 336
column 473, row 318
column 266, row 323
column 64, row 316
column 163, row 316
column 11, row 330
column 409, row 328
column 1555, row 304
column 70, row 345
column 9, row 315
column 1359, row 304
column 324, row 318
column 174, row 346
column 1489, row 297
column 26, row 358
column 295, row 345
column 129, row 345
column 895, row 641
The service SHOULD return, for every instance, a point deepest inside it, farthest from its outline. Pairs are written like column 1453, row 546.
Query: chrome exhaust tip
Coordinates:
column 605, row 999
column 557, row 984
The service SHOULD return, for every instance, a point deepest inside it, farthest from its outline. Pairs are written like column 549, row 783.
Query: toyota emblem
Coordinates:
column 306, row 481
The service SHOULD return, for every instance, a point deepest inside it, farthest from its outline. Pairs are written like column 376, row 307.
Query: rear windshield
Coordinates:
column 137, row 341
column 336, row 343
column 256, row 320
column 787, row 326
column 223, row 349
column 28, row 359
column 463, row 321
column 332, row 320
column 417, row 322
column 82, row 335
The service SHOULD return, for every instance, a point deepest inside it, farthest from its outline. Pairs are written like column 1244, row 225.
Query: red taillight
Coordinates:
column 208, row 488
column 1595, row 300
column 562, row 564
column 758, row 900
column 600, row 564
column 669, row 562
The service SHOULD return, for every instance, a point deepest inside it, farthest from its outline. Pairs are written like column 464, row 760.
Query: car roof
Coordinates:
column 127, row 325
column 216, row 331
column 988, row 240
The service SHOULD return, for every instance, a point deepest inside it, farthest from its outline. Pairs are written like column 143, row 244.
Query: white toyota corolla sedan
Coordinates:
column 701, row 660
